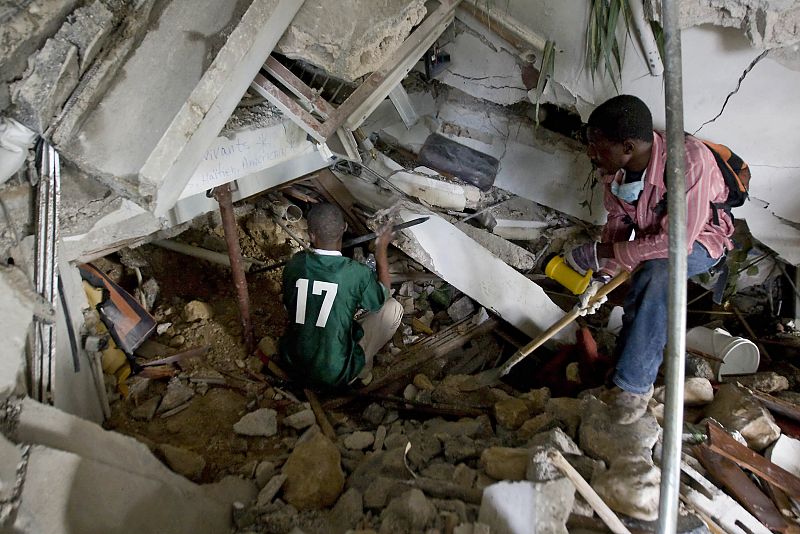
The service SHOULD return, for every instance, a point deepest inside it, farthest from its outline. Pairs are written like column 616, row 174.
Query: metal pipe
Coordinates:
column 223, row 196
column 204, row 254
column 676, row 324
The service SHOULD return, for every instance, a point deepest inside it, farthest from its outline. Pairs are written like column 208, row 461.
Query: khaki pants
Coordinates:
column 379, row 327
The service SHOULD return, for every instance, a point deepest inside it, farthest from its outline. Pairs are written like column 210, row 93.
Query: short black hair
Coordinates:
column 326, row 221
column 623, row 117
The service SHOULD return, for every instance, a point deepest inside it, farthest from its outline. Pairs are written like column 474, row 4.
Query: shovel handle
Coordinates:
column 522, row 353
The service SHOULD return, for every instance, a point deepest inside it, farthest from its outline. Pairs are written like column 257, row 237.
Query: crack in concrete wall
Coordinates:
column 750, row 67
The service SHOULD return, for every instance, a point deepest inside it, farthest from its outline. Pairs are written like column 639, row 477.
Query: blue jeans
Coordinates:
column 641, row 341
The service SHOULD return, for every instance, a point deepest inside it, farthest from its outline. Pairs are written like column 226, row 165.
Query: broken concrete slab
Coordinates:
column 16, row 316
column 38, row 97
column 445, row 250
column 527, row 507
column 64, row 493
column 514, row 255
column 88, row 28
column 25, row 28
column 630, row 486
column 352, row 38
column 173, row 117
column 735, row 409
column 478, row 68
column 348, row 511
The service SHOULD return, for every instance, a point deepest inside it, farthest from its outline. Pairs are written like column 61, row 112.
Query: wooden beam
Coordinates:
column 298, row 87
column 289, row 107
column 722, row 443
column 741, row 487
column 419, row 354
column 319, row 413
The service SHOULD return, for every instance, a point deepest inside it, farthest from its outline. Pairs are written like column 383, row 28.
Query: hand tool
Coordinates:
column 491, row 377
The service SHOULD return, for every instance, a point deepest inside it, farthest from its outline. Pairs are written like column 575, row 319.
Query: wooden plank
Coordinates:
column 416, row 355
column 598, row 505
column 722, row 443
column 320, row 414
column 741, row 487
column 337, row 193
column 774, row 404
column 298, row 86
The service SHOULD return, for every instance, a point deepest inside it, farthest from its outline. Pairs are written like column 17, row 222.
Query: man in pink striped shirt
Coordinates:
column 631, row 158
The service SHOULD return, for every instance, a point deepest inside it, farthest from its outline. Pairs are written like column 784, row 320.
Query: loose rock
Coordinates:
column 147, row 409
column 177, row 394
column 696, row 392
column 511, row 413
column 768, row 382
column 197, row 311
column 359, row 440
column 601, row 438
column 314, row 474
column 374, row 413
column 300, row 420
column 183, row 462
column 735, row 409
column 348, row 511
column 630, row 486
column 264, row 472
column 411, row 512
column 271, row 489
column 263, row 422
column 505, row 463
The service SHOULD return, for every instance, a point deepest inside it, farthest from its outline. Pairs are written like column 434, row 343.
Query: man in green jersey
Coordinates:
column 322, row 290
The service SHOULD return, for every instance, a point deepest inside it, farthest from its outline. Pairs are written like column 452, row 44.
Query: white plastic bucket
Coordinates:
column 737, row 355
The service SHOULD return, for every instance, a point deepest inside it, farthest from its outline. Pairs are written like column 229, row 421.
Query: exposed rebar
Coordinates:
column 223, row 196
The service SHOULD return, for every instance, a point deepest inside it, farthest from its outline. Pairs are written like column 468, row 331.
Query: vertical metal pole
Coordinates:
column 223, row 196
column 676, row 324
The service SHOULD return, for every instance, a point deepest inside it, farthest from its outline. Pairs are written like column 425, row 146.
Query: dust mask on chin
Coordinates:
column 628, row 192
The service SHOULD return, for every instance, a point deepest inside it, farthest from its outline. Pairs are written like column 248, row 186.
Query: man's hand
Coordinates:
column 583, row 257
column 385, row 236
column 584, row 306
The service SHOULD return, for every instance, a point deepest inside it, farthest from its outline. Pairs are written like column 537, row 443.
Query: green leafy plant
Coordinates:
column 546, row 71
column 604, row 49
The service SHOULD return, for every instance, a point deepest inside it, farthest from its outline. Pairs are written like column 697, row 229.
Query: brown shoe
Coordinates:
column 628, row 407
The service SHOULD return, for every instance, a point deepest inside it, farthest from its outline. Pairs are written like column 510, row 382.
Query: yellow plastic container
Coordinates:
column 558, row 270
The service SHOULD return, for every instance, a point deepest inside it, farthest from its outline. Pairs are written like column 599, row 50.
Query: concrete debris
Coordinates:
column 514, row 255
column 300, row 420
column 184, row 462
column 88, row 29
column 16, row 315
column 40, row 95
column 408, row 513
column 768, row 382
column 348, row 511
column 330, row 36
column 147, row 409
column 423, row 383
column 314, row 474
column 511, row 413
column 264, row 472
column 197, row 311
column 735, row 409
column 358, row 441
column 696, row 392
column 177, row 394
column 768, row 24
column 785, row 453
column 262, row 422
column 461, row 309
column 555, row 439
column 567, row 411
column 505, row 463
column 536, row 399
column 374, row 413
column 603, row 439
column 271, row 489
column 268, row 346
column 540, row 423
column 527, row 507
column 630, row 486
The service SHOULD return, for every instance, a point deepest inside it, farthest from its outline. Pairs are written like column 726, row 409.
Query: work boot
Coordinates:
column 627, row 407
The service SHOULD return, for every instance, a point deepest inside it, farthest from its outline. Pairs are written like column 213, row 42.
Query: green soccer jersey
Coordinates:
column 321, row 293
